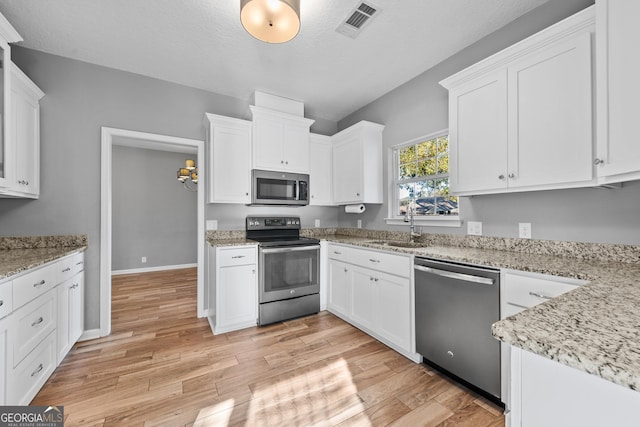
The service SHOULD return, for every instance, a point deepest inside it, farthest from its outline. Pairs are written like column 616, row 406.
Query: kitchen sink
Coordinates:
column 399, row 244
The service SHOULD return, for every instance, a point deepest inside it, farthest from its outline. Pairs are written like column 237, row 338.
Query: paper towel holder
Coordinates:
column 355, row 209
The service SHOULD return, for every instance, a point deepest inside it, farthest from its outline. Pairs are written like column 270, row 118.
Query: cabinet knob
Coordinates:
column 375, row 280
column 286, row 163
column 358, row 194
column 26, row 183
column 246, row 194
column 345, row 270
column 501, row 176
column 512, row 175
column 281, row 162
column 598, row 162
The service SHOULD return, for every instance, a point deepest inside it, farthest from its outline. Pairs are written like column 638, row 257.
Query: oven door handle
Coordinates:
column 290, row 249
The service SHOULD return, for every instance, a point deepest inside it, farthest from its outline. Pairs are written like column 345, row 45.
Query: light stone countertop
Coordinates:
column 18, row 254
column 594, row 328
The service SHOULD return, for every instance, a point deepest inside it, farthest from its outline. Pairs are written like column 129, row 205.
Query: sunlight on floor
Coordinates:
column 306, row 398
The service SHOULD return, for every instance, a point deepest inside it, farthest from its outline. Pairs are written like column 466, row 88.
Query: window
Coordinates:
column 421, row 180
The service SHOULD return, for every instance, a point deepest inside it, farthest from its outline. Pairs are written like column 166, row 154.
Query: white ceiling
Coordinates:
column 201, row 43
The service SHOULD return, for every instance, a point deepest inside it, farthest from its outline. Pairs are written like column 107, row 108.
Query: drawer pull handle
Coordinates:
column 66, row 269
column 38, row 370
column 374, row 260
column 237, row 256
column 337, row 253
column 1, row 302
column 536, row 294
column 37, row 322
column 79, row 262
column 40, row 283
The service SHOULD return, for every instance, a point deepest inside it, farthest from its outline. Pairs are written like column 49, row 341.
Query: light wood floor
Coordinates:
column 162, row 366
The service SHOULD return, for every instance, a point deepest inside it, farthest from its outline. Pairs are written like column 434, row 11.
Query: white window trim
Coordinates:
column 392, row 219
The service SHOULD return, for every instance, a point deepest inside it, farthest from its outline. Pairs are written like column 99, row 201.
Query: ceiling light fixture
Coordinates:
column 272, row 21
column 188, row 173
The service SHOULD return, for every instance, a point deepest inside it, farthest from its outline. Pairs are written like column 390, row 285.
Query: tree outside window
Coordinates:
column 422, row 178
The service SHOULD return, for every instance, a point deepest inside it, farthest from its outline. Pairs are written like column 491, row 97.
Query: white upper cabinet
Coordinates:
column 357, row 164
column 7, row 35
column 522, row 118
column 478, row 125
column 320, row 170
column 618, row 152
column 280, row 141
column 25, row 133
column 229, row 159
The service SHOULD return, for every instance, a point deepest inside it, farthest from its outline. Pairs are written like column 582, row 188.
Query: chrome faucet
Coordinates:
column 408, row 217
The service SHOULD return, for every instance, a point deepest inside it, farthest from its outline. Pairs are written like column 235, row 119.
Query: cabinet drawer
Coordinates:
column 65, row 269
column 340, row 253
column 26, row 379
column 33, row 322
column 6, row 298
column 236, row 256
column 78, row 263
column 399, row 265
column 529, row 291
column 33, row 284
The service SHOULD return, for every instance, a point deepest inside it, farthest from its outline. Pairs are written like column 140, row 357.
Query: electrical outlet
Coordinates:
column 474, row 228
column 359, row 223
column 212, row 224
column 317, row 223
column 144, row 260
column 524, row 230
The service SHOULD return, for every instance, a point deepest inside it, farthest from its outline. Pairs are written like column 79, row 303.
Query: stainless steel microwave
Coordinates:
column 279, row 188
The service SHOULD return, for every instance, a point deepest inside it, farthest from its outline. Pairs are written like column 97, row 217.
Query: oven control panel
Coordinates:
column 273, row 223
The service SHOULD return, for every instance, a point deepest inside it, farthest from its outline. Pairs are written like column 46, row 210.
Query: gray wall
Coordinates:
column 153, row 215
column 420, row 107
column 80, row 98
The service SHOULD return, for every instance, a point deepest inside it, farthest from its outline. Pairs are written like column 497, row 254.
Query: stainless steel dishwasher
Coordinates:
column 455, row 307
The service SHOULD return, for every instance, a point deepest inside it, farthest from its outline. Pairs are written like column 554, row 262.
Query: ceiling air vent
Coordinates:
column 359, row 18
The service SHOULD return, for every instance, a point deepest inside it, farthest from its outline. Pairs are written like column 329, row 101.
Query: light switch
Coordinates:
column 212, row 224
column 524, row 230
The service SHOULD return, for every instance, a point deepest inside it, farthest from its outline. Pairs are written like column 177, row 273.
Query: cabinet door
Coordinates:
column 339, row 288
column 268, row 140
column 296, row 148
column 347, row 171
column 237, row 296
column 27, row 139
column 478, row 134
column 393, row 309
column 618, row 87
column 6, row 152
column 3, row 362
column 320, row 176
column 229, row 176
column 63, row 340
column 550, row 111
column 76, row 309
column 363, row 294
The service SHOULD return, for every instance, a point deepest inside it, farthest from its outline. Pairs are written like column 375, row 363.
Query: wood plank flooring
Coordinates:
column 161, row 366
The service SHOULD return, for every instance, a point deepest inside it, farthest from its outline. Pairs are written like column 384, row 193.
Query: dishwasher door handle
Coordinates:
column 453, row 275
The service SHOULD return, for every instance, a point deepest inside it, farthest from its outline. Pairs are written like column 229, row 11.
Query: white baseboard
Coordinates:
column 91, row 334
column 151, row 269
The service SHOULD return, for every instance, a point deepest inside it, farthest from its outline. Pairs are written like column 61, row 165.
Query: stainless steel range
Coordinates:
column 288, row 268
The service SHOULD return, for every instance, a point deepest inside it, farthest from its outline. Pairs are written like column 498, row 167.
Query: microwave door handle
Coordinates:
column 297, row 184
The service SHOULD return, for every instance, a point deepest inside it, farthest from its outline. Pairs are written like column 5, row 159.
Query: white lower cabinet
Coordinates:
column 338, row 284
column 372, row 290
column 519, row 291
column 40, row 320
column 233, row 288
column 548, row 393
column 70, row 314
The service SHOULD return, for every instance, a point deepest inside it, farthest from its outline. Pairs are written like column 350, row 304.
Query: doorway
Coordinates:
column 135, row 139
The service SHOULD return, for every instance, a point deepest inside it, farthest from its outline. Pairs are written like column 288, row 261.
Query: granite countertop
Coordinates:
column 18, row 254
column 594, row 328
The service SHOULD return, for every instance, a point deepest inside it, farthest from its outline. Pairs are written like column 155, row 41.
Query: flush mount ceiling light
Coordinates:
column 272, row 21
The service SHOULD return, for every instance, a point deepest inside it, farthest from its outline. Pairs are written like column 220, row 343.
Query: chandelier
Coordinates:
column 187, row 174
